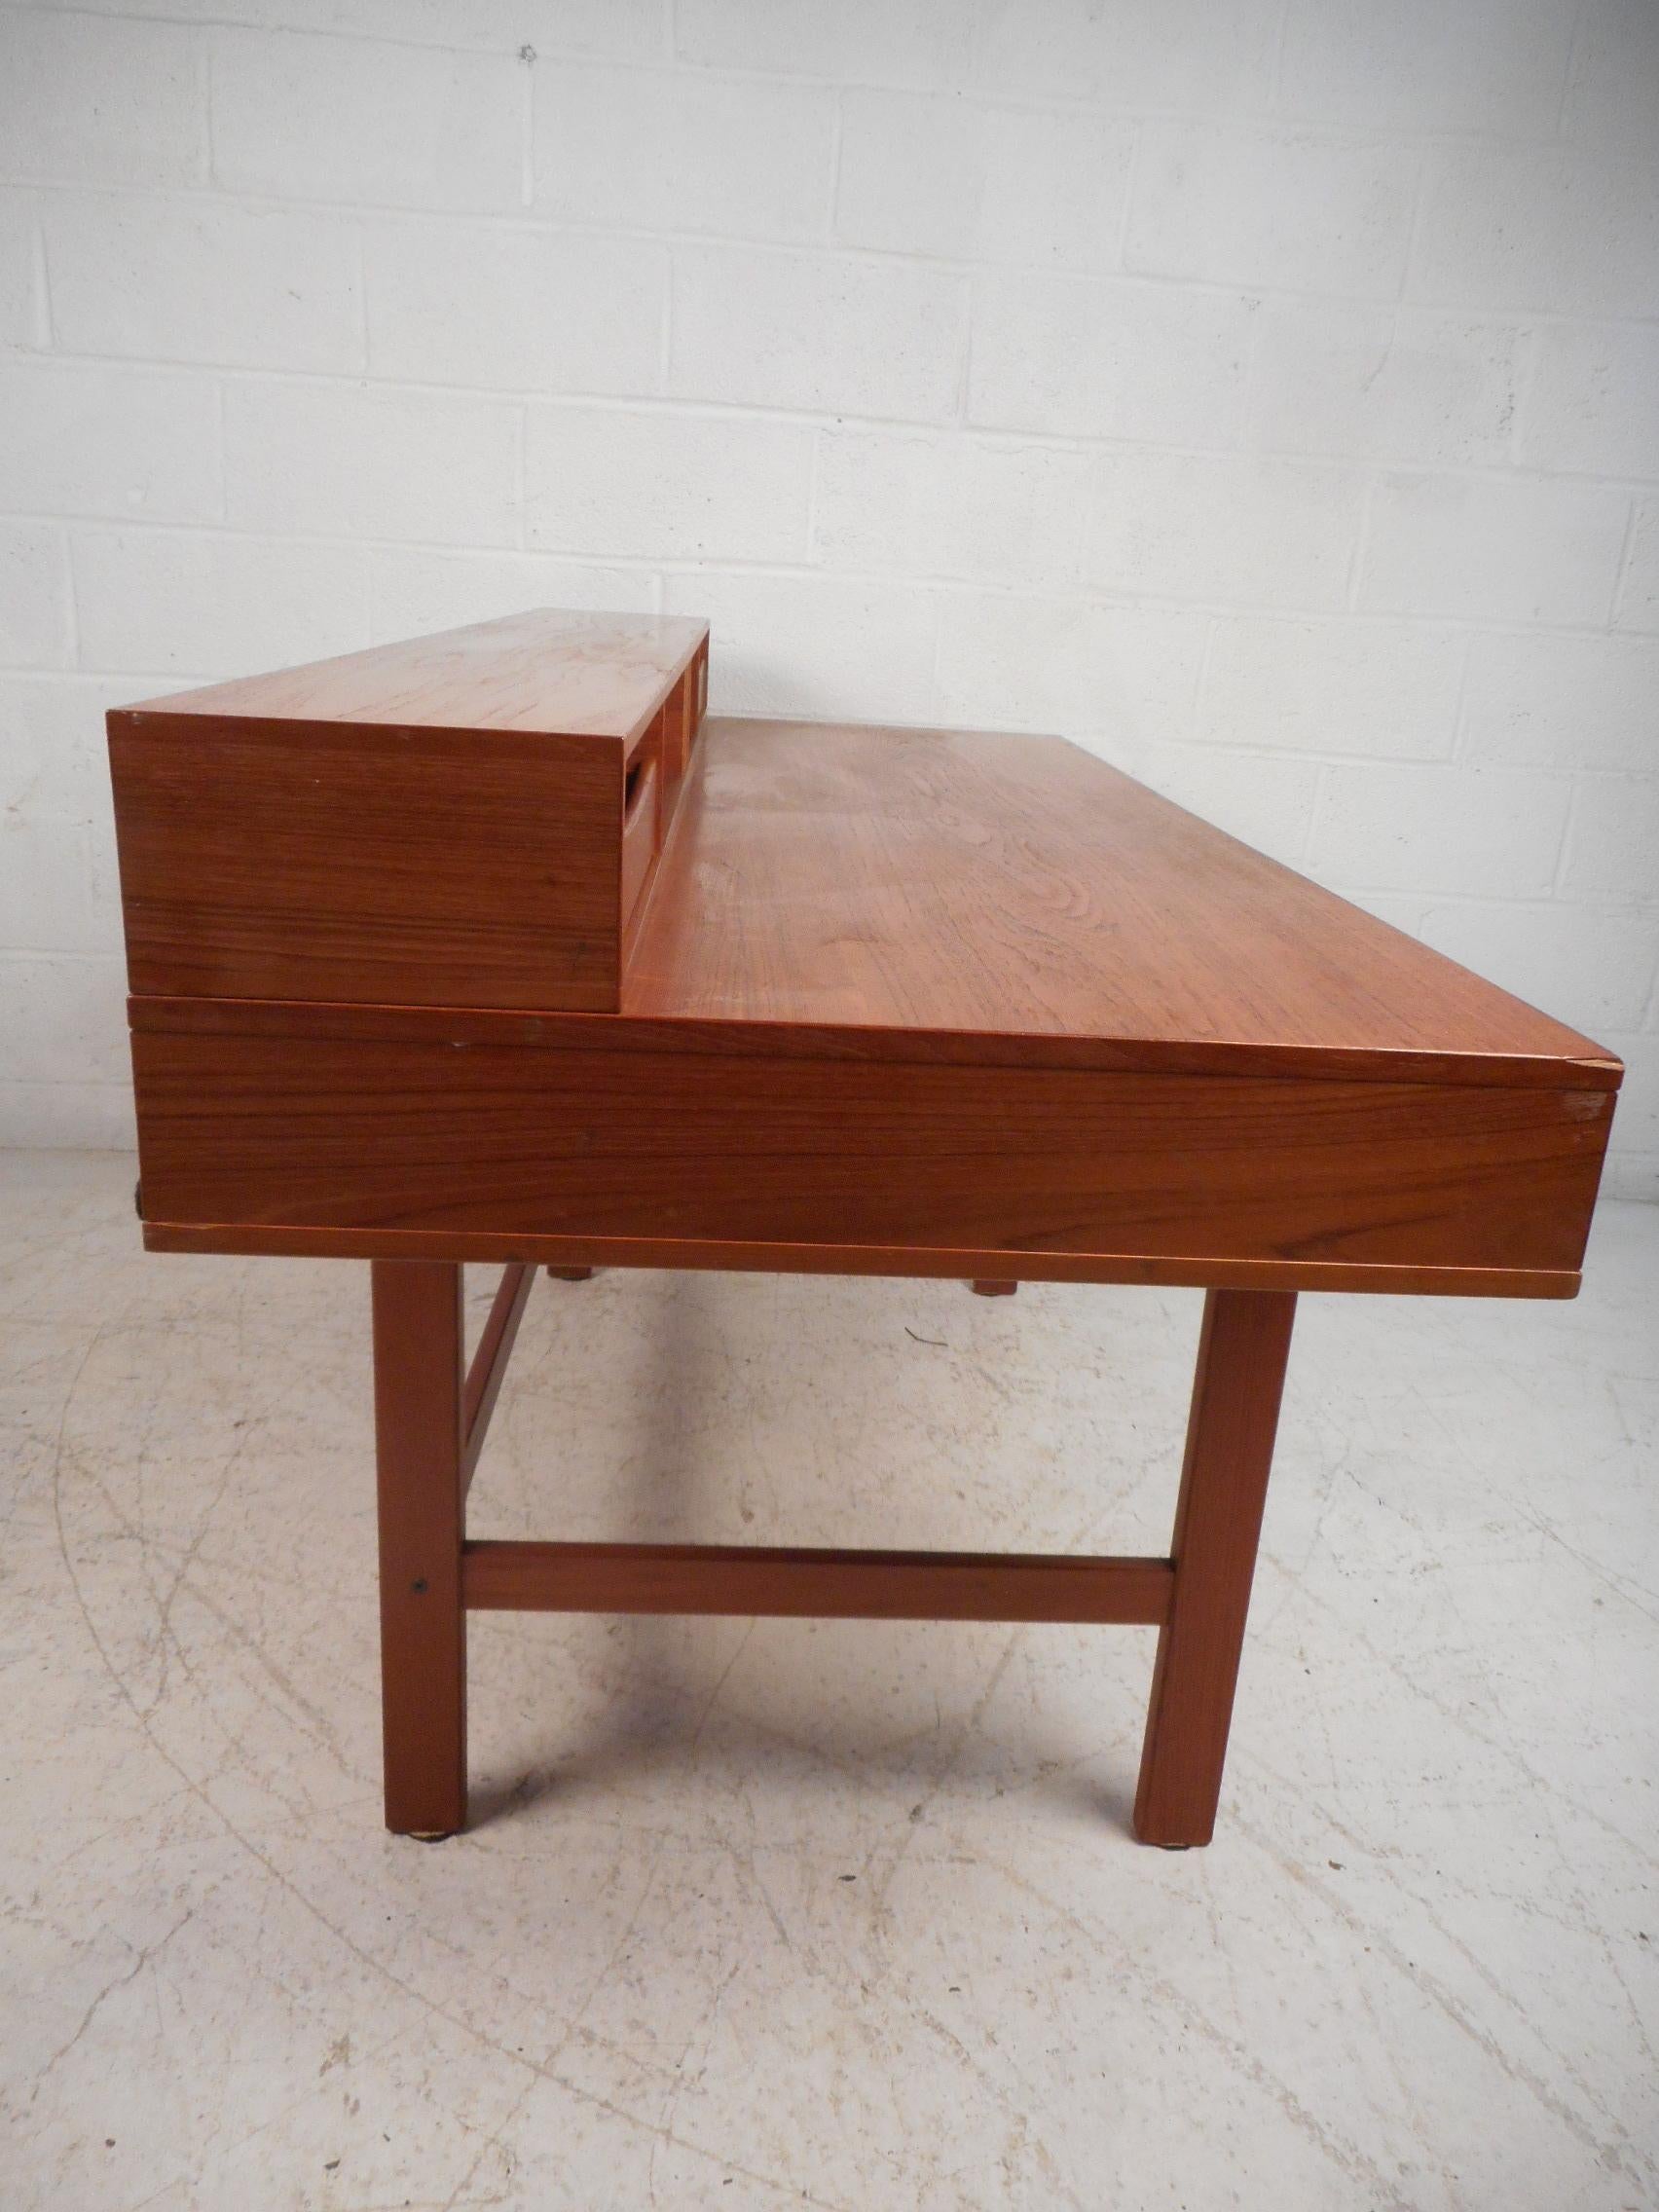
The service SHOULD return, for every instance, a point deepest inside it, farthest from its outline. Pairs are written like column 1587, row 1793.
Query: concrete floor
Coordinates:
column 827, row 1914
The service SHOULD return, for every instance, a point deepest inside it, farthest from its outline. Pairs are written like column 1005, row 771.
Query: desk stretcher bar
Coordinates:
column 780, row 1584
column 496, row 947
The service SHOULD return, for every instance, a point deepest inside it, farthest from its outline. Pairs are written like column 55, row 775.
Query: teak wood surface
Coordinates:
column 495, row 947
column 465, row 821
column 903, row 880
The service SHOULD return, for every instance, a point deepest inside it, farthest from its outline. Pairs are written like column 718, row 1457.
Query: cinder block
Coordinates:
column 67, row 1018
column 23, row 301
column 113, row 441
column 817, row 332
column 195, row 280
column 1265, row 801
column 814, row 647
column 1612, row 840
column 1254, row 533
column 36, row 630
column 94, row 99
column 912, row 174
column 378, row 124
column 1109, row 358
column 514, row 310
column 609, row 31
column 1187, row 55
column 1383, row 690
column 1638, row 588
column 1556, row 700
column 1562, row 229
column 871, row 42
column 412, row 590
column 1271, row 206
column 57, row 886
column 1116, row 677
column 1590, row 966
column 1375, row 383
column 53, row 757
column 361, row 462
column 1613, row 100
column 930, row 174
column 1420, row 66
column 196, row 602
column 1462, row 829
column 667, row 487
column 1592, row 402
column 618, row 31
column 950, row 505
column 1636, row 1117
column 1503, row 549
column 679, row 151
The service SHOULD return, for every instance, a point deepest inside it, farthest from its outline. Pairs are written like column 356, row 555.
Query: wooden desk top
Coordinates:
column 1017, row 887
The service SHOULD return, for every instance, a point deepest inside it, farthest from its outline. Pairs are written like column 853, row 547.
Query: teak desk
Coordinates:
column 491, row 948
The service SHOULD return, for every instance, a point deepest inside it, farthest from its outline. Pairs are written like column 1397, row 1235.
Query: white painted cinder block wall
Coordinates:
column 1266, row 395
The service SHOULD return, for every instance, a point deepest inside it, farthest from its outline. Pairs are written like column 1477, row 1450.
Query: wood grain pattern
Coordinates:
column 546, row 672
column 418, row 1341
column 327, row 834
column 419, row 869
column 757, row 1580
column 767, row 1041
column 1243, row 1351
column 571, row 1137
column 913, row 880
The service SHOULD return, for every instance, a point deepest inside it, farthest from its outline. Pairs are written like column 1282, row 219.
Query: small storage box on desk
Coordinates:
column 469, row 820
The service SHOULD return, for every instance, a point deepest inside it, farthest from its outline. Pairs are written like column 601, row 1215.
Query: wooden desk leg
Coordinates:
column 1243, row 1352
column 420, row 1353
